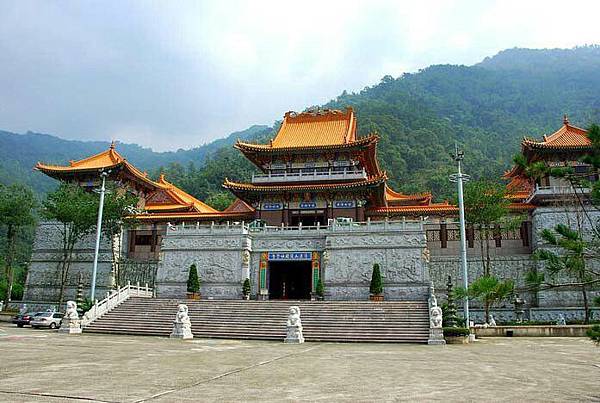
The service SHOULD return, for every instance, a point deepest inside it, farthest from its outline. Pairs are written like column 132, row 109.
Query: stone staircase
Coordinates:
column 393, row 322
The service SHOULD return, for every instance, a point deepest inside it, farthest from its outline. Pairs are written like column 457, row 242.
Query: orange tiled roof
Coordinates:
column 303, row 187
column 193, row 216
column 239, row 206
column 432, row 208
column 321, row 128
column 394, row 197
column 318, row 128
column 519, row 187
column 567, row 137
column 106, row 159
column 164, row 200
column 178, row 200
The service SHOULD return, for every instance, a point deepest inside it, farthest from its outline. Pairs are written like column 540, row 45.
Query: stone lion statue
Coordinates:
column 492, row 321
column 435, row 314
column 71, row 312
column 294, row 316
column 182, row 315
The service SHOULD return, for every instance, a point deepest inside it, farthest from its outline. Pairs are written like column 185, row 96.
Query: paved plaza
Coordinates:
column 39, row 365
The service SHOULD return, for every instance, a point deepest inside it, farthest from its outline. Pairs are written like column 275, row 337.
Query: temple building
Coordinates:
column 320, row 209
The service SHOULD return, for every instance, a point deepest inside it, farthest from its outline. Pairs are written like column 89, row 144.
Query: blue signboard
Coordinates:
column 272, row 206
column 308, row 205
column 279, row 256
column 344, row 204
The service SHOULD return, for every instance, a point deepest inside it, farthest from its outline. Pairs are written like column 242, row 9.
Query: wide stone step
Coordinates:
column 397, row 321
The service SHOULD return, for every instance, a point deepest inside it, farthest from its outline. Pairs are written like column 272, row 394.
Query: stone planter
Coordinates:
column 193, row 296
column 246, row 297
column 376, row 297
column 457, row 339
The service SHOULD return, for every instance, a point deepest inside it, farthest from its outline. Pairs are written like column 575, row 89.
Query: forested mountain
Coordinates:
column 20, row 152
column 487, row 108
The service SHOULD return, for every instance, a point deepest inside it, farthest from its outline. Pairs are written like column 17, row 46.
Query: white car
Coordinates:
column 51, row 320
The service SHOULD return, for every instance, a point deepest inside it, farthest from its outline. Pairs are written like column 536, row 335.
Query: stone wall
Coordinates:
column 225, row 256
column 220, row 257
column 400, row 254
column 43, row 276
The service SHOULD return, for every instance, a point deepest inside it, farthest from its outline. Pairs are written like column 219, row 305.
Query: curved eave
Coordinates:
column 263, row 148
column 248, row 187
column 192, row 216
column 414, row 210
column 60, row 170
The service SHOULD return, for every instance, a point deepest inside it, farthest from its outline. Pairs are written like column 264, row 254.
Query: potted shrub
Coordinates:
column 193, row 283
column 246, row 289
column 456, row 335
column 320, row 290
column 376, row 287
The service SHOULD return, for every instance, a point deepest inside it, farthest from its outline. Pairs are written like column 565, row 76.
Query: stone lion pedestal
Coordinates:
column 294, row 327
column 71, row 324
column 182, row 326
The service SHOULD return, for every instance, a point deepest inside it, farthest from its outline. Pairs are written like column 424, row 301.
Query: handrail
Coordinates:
column 114, row 299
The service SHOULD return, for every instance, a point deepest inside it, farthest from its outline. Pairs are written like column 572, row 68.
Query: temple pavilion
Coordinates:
column 316, row 169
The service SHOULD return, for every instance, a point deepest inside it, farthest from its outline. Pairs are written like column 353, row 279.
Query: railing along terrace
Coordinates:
column 309, row 175
column 114, row 299
column 244, row 228
column 555, row 191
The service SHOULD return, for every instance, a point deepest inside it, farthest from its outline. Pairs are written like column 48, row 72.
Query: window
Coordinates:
column 143, row 239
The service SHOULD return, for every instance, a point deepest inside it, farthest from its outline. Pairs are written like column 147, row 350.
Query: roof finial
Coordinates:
column 112, row 145
column 565, row 119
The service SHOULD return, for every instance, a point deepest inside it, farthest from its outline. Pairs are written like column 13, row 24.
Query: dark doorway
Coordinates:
column 289, row 280
column 308, row 219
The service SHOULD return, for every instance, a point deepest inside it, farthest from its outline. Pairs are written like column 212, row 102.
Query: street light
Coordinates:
column 103, row 175
column 459, row 178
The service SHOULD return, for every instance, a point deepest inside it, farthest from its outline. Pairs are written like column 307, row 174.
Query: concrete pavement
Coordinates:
column 40, row 365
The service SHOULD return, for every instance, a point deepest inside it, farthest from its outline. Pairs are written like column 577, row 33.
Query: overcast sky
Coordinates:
column 177, row 74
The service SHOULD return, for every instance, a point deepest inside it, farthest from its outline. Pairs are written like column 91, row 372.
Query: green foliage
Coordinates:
column 485, row 202
column 376, row 286
column 594, row 334
column 86, row 305
column 193, row 282
column 456, row 331
column 320, row 289
column 597, row 300
column 17, row 206
column 566, row 258
column 246, row 288
column 489, row 290
column 76, row 211
column 220, row 200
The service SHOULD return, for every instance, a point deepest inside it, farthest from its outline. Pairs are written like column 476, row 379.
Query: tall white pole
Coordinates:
column 103, row 174
column 459, row 178
column 463, row 241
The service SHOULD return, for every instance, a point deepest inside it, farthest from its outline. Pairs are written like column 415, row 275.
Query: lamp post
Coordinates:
column 103, row 175
column 459, row 178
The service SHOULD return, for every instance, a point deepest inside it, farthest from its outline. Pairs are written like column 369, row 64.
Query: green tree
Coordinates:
column 193, row 283
column 376, row 286
column 75, row 212
column 17, row 205
column 120, row 207
column 566, row 258
column 246, row 288
column 486, row 208
column 489, row 290
column 320, row 289
column 220, row 200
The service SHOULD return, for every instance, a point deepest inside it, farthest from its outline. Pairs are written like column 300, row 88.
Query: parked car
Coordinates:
column 23, row 319
column 47, row 319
